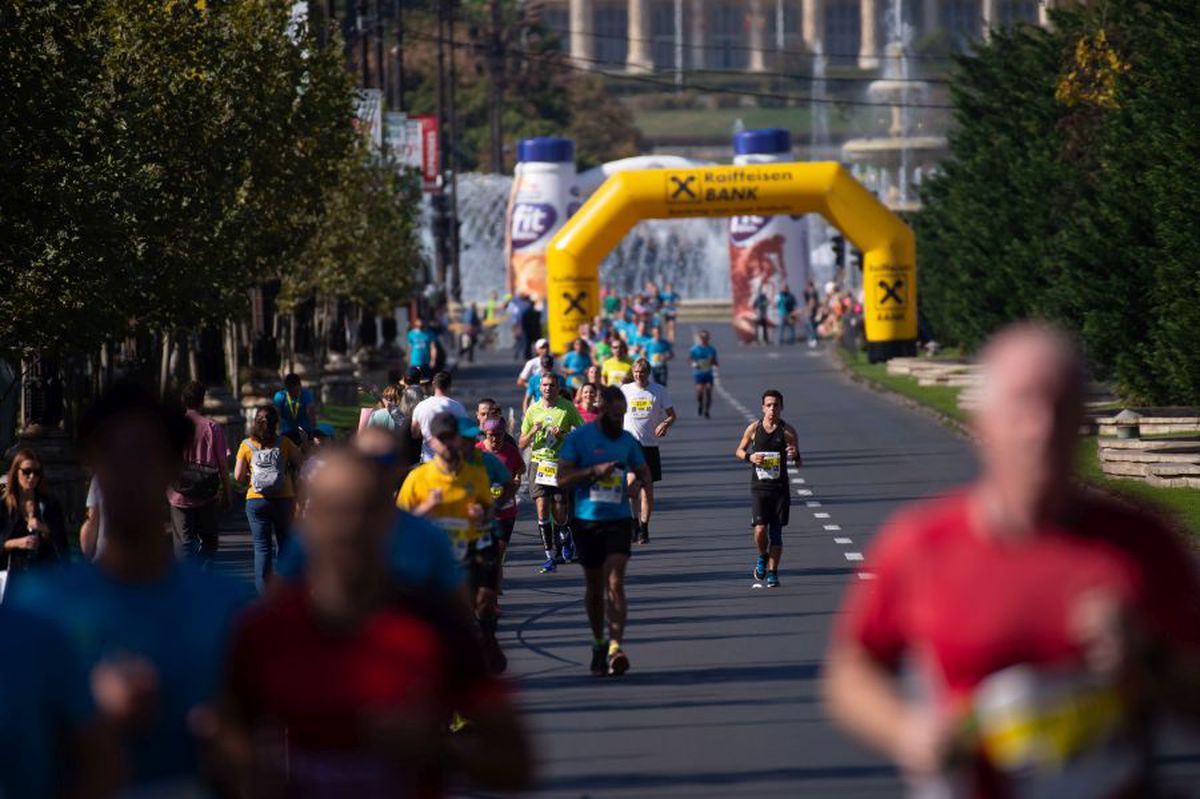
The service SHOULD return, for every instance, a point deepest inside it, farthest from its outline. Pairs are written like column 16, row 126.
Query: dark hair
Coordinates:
column 291, row 380
column 124, row 398
column 546, row 362
column 771, row 392
column 488, row 400
column 610, row 394
column 442, row 381
column 192, row 396
column 265, row 425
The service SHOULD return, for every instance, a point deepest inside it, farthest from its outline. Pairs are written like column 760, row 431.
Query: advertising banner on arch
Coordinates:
column 766, row 253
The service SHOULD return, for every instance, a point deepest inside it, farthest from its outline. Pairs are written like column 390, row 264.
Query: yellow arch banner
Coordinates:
column 888, row 245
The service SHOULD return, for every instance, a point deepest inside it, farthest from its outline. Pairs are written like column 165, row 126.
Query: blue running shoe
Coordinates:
column 548, row 566
column 772, row 580
column 760, row 568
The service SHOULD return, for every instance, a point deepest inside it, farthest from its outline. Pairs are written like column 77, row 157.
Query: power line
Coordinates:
column 563, row 61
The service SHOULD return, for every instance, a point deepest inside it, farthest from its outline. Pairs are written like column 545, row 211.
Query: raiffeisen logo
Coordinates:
column 531, row 221
column 744, row 227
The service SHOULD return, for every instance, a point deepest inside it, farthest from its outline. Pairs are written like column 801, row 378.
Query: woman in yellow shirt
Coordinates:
column 268, row 462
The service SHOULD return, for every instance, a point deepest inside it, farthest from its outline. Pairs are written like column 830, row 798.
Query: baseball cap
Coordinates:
column 413, row 375
column 467, row 427
column 541, row 342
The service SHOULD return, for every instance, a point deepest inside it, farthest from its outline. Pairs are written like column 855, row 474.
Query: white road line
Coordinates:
column 798, row 480
column 866, row 576
column 832, row 528
column 842, row 541
column 820, row 515
column 804, row 492
column 813, row 503
column 853, row 555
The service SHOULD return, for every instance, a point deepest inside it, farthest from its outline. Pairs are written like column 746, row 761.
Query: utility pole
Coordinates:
column 440, row 219
column 496, row 63
column 678, row 45
column 380, row 68
column 398, row 7
column 455, row 274
column 364, row 44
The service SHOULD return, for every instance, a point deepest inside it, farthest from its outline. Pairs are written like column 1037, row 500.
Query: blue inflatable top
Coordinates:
column 767, row 141
column 546, row 149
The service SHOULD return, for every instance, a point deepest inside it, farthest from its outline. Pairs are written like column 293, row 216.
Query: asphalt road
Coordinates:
column 721, row 699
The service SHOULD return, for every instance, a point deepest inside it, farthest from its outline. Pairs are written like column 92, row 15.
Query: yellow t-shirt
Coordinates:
column 616, row 370
column 291, row 461
column 471, row 484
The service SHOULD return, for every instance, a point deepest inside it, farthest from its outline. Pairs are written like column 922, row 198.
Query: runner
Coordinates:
column 497, row 442
column 596, row 459
column 767, row 445
column 421, row 345
column 1048, row 629
column 575, row 363
column 617, row 369
column 533, row 365
column 704, row 360
column 658, row 351
column 587, row 401
column 546, row 424
column 670, row 309
column 454, row 490
column 338, row 686
column 430, row 407
column 648, row 417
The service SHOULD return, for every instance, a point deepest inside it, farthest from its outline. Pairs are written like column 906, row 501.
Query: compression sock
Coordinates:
column 547, row 532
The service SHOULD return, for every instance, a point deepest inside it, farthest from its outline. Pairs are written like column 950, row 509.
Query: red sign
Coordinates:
column 430, row 156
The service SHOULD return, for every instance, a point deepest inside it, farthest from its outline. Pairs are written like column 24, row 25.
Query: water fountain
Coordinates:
column 822, row 261
column 893, row 164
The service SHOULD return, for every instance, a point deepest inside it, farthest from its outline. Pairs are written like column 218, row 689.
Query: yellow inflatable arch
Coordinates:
column 888, row 246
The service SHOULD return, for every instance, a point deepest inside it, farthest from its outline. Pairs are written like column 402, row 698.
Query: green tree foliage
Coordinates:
column 1072, row 190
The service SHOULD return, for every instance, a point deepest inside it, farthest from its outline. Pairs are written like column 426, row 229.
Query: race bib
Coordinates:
column 769, row 468
column 608, row 490
column 640, row 408
column 703, row 364
column 658, row 359
column 616, row 378
column 497, row 490
column 547, row 473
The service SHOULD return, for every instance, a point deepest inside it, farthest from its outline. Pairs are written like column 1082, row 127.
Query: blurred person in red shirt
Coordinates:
column 341, row 685
column 1046, row 627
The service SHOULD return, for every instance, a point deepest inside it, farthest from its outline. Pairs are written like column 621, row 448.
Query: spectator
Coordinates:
column 34, row 532
column 267, row 462
column 388, row 414
column 202, row 490
column 531, row 326
column 421, row 345
column 762, row 327
column 472, row 325
column 151, row 631
column 785, row 304
column 440, row 402
column 297, row 410
column 93, row 531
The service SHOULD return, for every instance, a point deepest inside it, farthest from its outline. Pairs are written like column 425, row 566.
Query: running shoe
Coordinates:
column 772, row 580
column 549, row 566
column 600, row 660
column 618, row 663
column 760, row 568
column 568, row 546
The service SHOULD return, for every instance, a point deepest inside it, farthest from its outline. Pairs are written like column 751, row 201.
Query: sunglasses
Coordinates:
column 31, row 472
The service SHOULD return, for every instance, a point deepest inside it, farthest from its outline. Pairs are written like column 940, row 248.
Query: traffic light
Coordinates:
column 839, row 251
column 856, row 259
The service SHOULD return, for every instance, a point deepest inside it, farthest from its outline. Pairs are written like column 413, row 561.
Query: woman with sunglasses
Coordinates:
column 34, row 532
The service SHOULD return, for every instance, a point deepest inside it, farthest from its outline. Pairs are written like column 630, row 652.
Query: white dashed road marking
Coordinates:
column 842, row 541
column 832, row 528
column 820, row 515
column 854, row 556
column 812, row 503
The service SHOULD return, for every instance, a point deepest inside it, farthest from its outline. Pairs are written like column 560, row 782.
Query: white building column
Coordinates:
column 697, row 36
column 639, row 58
column 989, row 17
column 812, row 24
column 758, row 36
column 583, row 43
column 868, row 48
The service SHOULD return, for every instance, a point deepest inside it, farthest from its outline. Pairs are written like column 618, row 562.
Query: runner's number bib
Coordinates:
column 547, row 473
column 609, row 490
column 769, row 468
column 703, row 364
column 497, row 490
column 658, row 359
column 640, row 407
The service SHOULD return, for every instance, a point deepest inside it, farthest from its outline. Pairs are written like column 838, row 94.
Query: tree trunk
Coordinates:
column 164, row 369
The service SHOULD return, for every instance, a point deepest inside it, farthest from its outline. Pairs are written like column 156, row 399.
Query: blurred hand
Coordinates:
column 475, row 512
column 126, row 690
column 25, row 542
column 605, row 469
column 756, row 458
column 925, row 746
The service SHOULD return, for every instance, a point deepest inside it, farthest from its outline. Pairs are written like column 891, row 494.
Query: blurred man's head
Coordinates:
column 703, row 337
column 549, row 387
column 641, row 372
column 134, row 446
column 441, row 383
column 612, row 411
column 1031, row 406
column 541, row 347
column 348, row 515
column 772, row 405
column 493, row 432
column 444, row 438
column 384, row 449
column 487, row 408
column 620, row 348
column 292, row 384
column 192, row 396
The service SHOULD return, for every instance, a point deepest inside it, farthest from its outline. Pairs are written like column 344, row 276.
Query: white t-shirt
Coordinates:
column 423, row 415
column 94, row 500
column 532, row 366
column 646, row 408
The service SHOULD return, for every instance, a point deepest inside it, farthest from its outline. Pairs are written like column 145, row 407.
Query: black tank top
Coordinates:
column 772, row 475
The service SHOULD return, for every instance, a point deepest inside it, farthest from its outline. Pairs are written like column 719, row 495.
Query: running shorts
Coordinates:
column 595, row 541
column 482, row 567
column 770, row 507
column 703, row 378
column 536, row 489
column 504, row 529
column 654, row 461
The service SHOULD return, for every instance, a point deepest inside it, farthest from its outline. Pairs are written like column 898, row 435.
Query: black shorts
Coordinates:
column 770, row 507
column 536, row 490
column 504, row 529
column 482, row 567
column 595, row 541
column 654, row 461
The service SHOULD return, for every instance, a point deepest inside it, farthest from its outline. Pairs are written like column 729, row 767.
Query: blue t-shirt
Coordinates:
column 602, row 500
column 180, row 624
column 420, row 556
column 703, row 357
column 420, row 347
column 44, row 695
column 294, row 414
column 657, row 352
column 667, row 301
column 785, row 303
column 574, row 364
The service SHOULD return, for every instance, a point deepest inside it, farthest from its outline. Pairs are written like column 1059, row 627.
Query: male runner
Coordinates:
column 704, row 360
column 1048, row 628
column 454, row 490
column 497, row 442
column 767, row 445
column 616, row 370
column 658, row 351
column 545, row 426
column 669, row 300
column 649, row 415
column 596, row 460
column 430, row 407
